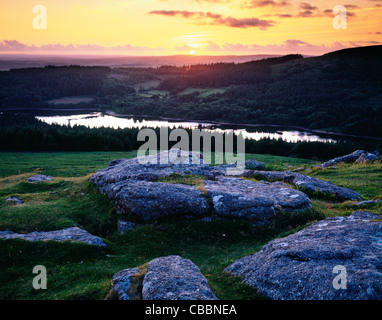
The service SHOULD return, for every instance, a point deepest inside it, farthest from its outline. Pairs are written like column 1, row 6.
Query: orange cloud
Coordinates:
column 14, row 45
column 217, row 19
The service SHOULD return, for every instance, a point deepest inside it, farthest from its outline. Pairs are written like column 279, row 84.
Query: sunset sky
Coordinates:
column 201, row 27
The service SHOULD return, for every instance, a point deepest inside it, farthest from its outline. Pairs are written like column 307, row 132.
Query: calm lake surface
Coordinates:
column 98, row 119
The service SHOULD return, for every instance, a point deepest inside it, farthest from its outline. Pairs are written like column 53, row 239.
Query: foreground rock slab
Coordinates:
column 73, row 234
column 301, row 266
column 164, row 278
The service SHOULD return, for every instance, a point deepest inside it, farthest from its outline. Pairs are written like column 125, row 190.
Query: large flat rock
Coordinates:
column 164, row 278
column 134, row 188
column 301, row 266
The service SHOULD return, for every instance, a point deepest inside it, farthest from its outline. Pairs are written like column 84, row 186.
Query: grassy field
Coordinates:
column 79, row 271
column 61, row 164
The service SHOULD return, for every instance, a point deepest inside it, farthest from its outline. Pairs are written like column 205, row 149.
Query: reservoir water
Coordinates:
column 99, row 119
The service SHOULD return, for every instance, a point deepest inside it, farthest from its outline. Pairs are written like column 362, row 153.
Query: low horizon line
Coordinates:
column 69, row 54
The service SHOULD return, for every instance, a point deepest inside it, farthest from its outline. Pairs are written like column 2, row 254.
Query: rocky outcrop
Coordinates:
column 72, row 234
column 306, row 184
column 358, row 156
column 39, row 178
column 164, row 278
column 150, row 168
column 304, row 265
column 134, row 188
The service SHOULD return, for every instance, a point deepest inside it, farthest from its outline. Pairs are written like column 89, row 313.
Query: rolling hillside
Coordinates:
column 339, row 91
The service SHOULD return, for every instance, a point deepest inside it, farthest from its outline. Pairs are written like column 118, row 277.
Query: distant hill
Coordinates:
column 338, row 91
column 8, row 61
column 358, row 52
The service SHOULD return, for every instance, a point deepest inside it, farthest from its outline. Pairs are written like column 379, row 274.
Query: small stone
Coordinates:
column 39, row 178
column 124, row 226
column 15, row 200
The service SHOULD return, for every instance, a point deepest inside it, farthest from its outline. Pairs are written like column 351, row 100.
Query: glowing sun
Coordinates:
column 192, row 52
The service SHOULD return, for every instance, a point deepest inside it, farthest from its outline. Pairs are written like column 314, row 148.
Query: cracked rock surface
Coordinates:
column 300, row 266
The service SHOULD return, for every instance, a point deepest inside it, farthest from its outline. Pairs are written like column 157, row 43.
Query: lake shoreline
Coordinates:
column 221, row 123
column 204, row 123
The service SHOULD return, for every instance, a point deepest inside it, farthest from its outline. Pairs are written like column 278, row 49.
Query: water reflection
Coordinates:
column 98, row 119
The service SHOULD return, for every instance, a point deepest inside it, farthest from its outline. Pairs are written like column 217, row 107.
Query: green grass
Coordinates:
column 62, row 164
column 279, row 163
column 192, row 180
column 55, row 205
column 79, row 271
column 364, row 178
column 271, row 162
